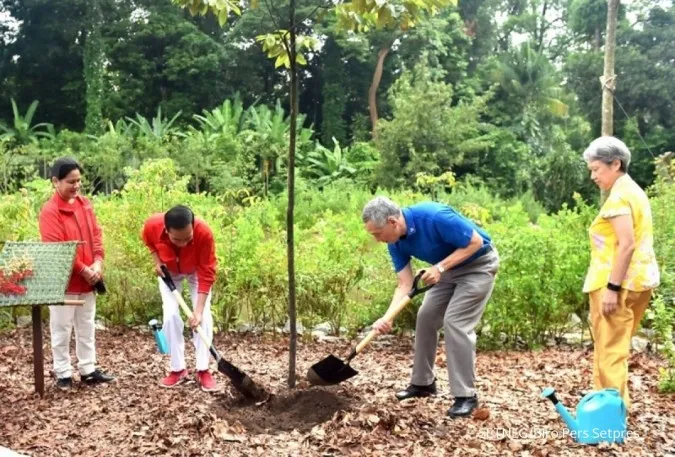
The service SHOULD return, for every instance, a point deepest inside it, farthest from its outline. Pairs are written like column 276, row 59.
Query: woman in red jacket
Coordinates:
column 68, row 216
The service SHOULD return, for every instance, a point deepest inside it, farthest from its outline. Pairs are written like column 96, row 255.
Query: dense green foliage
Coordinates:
column 517, row 98
column 487, row 106
column 344, row 277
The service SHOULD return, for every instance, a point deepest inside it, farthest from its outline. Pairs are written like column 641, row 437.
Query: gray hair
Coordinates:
column 607, row 149
column 379, row 209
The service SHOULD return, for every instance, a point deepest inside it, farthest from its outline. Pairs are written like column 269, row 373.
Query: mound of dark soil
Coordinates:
column 297, row 410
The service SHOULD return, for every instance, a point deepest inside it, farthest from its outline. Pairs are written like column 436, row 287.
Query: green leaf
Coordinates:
column 279, row 62
column 299, row 58
column 275, row 51
column 222, row 17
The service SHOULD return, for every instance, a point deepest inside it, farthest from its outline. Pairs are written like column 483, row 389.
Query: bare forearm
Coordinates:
column 400, row 292
column 405, row 283
column 461, row 254
column 620, row 267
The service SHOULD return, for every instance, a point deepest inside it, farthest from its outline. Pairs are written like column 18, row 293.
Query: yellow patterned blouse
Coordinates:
column 625, row 198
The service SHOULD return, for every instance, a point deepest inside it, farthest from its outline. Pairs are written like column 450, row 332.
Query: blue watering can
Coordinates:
column 601, row 416
column 160, row 339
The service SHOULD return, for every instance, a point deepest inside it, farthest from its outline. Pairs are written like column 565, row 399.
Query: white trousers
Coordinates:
column 62, row 319
column 173, row 324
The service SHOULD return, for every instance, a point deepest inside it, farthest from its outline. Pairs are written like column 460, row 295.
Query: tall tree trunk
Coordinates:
column 372, row 91
column 541, row 29
column 608, row 77
column 93, row 69
column 291, row 200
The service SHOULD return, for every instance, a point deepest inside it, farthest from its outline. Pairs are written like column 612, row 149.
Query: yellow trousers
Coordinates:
column 612, row 337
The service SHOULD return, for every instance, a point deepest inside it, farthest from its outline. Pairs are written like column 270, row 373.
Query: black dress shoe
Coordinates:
column 96, row 377
column 413, row 391
column 463, row 406
column 64, row 383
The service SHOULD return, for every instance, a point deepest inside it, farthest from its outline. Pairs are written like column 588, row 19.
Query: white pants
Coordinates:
column 61, row 322
column 173, row 324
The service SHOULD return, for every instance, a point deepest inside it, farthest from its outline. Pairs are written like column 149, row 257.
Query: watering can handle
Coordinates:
column 391, row 314
column 598, row 393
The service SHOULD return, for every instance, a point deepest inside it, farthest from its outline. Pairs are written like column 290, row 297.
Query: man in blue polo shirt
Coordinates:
column 463, row 268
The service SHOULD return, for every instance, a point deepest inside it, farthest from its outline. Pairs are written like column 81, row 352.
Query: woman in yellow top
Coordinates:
column 623, row 269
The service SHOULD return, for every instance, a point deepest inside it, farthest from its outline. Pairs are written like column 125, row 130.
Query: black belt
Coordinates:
column 488, row 248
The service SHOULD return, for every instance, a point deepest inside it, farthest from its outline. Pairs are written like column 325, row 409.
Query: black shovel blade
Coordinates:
column 241, row 381
column 330, row 371
column 235, row 374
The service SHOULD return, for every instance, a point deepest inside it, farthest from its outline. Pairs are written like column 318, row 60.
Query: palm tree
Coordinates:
column 528, row 76
column 225, row 119
column 22, row 132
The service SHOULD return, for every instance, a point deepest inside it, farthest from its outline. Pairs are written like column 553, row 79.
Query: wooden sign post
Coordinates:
column 52, row 264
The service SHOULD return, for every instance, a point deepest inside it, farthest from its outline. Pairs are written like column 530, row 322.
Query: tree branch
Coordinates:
column 273, row 14
column 324, row 6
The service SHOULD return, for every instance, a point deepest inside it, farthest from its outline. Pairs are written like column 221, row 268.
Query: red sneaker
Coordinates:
column 206, row 381
column 174, row 379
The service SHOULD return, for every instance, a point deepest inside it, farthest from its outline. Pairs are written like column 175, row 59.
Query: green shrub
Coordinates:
column 343, row 276
column 663, row 315
column 541, row 275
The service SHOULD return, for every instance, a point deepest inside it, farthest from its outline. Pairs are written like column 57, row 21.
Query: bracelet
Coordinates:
column 613, row 287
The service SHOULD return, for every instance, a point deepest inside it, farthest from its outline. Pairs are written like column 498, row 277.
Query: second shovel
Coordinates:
column 332, row 370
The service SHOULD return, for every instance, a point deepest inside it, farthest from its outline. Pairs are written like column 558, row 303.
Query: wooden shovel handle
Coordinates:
column 188, row 313
column 166, row 278
column 73, row 302
column 390, row 315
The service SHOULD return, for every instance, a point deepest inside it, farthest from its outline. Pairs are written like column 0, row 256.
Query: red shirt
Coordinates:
column 198, row 256
column 63, row 221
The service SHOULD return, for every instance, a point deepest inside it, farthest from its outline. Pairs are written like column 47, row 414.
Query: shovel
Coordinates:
column 332, row 370
column 241, row 381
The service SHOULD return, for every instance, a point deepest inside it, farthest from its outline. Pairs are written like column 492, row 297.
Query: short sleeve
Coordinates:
column 453, row 229
column 617, row 204
column 398, row 258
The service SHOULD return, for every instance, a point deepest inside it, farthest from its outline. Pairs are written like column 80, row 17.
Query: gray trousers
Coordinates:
column 456, row 304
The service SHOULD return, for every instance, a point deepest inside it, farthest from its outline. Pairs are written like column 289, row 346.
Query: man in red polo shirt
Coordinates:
column 185, row 245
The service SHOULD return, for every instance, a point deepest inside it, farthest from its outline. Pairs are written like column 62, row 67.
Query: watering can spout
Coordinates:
column 572, row 424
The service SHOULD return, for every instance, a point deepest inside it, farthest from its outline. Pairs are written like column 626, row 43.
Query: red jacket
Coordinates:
column 61, row 221
column 198, row 256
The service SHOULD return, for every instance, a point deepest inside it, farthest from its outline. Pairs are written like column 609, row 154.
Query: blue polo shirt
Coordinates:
column 434, row 231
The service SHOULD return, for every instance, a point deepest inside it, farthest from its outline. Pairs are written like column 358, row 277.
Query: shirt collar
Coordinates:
column 64, row 206
column 409, row 222
column 620, row 180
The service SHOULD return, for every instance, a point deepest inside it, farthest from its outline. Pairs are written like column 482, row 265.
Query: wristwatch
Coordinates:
column 614, row 287
column 440, row 268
